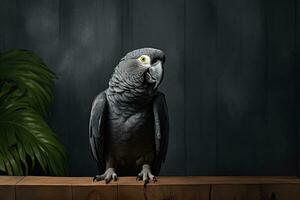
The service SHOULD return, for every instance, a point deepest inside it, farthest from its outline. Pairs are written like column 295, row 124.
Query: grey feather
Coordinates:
column 97, row 129
column 161, row 123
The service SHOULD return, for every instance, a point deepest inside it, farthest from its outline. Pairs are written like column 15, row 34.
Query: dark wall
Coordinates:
column 231, row 79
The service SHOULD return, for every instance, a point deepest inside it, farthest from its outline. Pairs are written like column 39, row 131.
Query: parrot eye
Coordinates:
column 144, row 59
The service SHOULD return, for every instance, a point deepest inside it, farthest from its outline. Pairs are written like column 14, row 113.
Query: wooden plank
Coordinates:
column 162, row 180
column 127, row 29
column 85, row 188
column 164, row 188
column 3, row 17
column 223, row 187
column 236, row 97
column 202, row 180
column 94, row 192
column 255, row 90
column 160, row 24
column 7, row 192
column 258, row 192
column 45, row 192
column 200, row 192
column 10, row 180
column 57, row 181
column 7, row 187
column 36, row 188
column 296, row 77
column 280, row 24
column 37, row 28
column 201, row 86
column 8, row 25
column 65, row 188
column 195, row 187
column 240, row 98
column 237, row 192
column 280, row 192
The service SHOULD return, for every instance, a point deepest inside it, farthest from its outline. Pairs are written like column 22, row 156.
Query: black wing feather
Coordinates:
column 97, row 129
column 161, row 123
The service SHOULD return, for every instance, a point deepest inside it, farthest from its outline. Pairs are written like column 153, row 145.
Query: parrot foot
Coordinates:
column 146, row 175
column 107, row 176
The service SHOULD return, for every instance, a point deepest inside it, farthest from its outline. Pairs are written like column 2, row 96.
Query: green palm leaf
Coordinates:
column 26, row 86
column 29, row 72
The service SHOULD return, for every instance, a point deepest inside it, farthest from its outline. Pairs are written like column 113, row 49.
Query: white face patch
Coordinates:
column 145, row 60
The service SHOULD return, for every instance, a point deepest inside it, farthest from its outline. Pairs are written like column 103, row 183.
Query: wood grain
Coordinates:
column 237, row 192
column 85, row 189
column 199, row 180
column 201, row 71
column 167, row 188
column 95, row 192
column 43, row 192
column 10, row 180
column 131, row 192
column 7, row 187
column 281, row 191
column 37, row 188
column 280, row 39
column 257, row 192
column 65, row 188
column 296, row 77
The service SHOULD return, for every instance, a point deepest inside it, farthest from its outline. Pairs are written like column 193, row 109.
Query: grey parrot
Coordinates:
column 129, row 126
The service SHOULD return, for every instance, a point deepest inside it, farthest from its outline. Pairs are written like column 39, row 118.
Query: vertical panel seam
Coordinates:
column 184, row 87
column 296, row 104
column 16, row 186
column 266, row 64
column 72, row 191
column 59, row 20
column 122, row 26
column 117, row 195
column 17, row 20
column 2, row 36
column 130, row 16
column 210, row 192
column 215, row 171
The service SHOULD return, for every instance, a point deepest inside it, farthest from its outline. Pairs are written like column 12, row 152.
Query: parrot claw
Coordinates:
column 154, row 179
column 107, row 176
column 98, row 178
column 138, row 178
column 146, row 182
column 146, row 175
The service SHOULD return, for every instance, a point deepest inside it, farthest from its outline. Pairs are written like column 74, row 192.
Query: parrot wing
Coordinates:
column 97, row 129
column 161, row 127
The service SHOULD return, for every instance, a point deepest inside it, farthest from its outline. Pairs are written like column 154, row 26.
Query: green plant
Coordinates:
column 26, row 141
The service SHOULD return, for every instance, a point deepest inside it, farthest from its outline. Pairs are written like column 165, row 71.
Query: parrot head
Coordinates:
column 143, row 66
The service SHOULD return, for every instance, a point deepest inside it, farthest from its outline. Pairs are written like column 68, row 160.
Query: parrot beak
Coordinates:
column 155, row 74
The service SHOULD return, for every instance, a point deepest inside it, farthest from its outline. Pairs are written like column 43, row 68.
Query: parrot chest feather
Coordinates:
column 131, row 138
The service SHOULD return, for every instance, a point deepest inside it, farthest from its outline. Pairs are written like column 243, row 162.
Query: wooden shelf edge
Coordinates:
column 162, row 180
column 167, row 187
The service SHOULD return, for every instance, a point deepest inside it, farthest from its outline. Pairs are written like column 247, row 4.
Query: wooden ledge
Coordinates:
column 10, row 180
column 61, row 181
column 162, row 180
column 189, row 187
column 205, row 180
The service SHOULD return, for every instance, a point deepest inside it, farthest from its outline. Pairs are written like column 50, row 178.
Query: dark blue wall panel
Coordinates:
column 231, row 74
